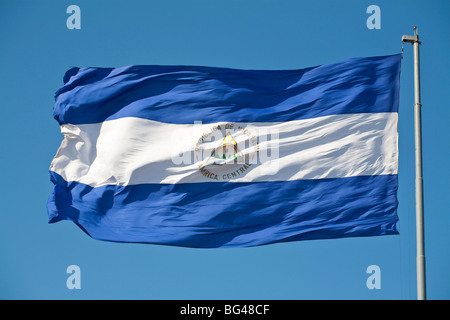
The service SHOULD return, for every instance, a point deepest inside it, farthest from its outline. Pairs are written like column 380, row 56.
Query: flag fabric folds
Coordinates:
column 211, row 157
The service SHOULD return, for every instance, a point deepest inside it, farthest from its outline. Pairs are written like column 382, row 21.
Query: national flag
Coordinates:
column 213, row 157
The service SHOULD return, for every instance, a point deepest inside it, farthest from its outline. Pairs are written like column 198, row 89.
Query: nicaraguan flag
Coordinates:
column 215, row 157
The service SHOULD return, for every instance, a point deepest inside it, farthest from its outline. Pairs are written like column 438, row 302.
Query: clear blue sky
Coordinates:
column 37, row 49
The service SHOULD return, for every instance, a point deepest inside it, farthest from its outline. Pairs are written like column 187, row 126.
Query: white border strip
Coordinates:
column 130, row 151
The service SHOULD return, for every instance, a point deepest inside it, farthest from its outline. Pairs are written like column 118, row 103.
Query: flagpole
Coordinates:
column 421, row 285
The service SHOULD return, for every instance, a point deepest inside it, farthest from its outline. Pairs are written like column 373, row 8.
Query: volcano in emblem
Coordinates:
column 226, row 152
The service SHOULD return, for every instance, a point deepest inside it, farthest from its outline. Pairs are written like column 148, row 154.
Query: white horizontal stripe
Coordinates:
column 131, row 151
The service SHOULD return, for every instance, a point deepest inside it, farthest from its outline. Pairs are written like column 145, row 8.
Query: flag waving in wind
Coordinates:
column 215, row 157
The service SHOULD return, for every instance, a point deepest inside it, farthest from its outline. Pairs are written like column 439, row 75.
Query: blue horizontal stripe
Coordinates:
column 212, row 215
column 184, row 94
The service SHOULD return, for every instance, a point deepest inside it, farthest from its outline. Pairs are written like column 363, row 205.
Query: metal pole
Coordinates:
column 421, row 285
